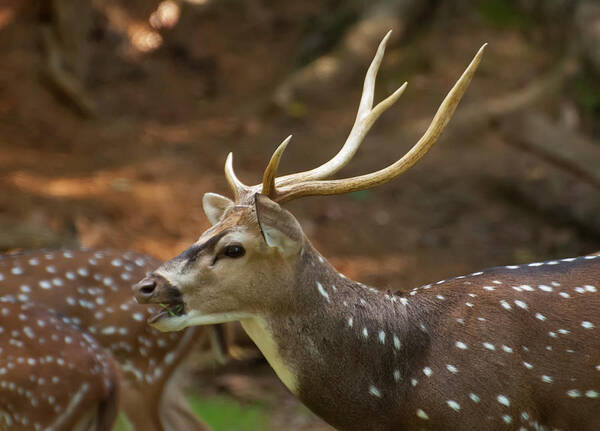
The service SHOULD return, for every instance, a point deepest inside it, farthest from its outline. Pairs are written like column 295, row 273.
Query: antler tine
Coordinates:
column 366, row 99
column 239, row 188
column 439, row 122
column 268, row 185
column 365, row 118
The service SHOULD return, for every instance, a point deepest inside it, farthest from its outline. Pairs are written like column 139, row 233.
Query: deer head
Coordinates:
column 249, row 261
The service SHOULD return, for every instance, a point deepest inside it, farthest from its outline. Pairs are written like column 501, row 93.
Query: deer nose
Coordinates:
column 144, row 290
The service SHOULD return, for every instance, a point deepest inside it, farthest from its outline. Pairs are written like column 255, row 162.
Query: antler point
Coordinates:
column 268, row 185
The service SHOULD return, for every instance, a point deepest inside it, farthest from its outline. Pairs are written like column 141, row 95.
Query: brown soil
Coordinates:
column 134, row 177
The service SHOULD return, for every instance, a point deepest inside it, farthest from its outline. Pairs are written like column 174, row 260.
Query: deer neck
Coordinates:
column 342, row 341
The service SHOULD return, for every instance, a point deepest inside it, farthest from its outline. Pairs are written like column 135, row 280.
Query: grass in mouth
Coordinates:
column 172, row 313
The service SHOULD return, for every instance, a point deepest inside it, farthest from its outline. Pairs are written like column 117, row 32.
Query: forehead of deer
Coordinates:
column 235, row 217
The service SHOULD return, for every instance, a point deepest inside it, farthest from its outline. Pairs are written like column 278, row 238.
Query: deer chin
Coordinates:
column 167, row 323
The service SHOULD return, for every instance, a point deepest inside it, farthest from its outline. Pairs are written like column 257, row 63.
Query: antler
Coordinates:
column 239, row 188
column 365, row 118
column 268, row 185
column 311, row 183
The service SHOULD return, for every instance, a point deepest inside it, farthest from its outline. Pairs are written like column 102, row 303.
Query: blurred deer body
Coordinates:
column 506, row 348
column 52, row 376
column 92, row 289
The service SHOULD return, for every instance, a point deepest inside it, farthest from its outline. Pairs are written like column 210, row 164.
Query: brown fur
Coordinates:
column 65, row 382
column 101, row 288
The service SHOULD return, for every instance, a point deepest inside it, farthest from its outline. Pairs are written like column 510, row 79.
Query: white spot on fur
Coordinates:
column 587, row 325
column 503, row 400
column 374, row 391
column 397, row 344
column 323, row 292
column 453, row 405
column 521, row 304
column 461, row 345
column 422, row 415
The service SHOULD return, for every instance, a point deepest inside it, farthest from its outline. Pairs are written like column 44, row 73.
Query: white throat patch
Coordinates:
column 194, row 318
column 258, row 330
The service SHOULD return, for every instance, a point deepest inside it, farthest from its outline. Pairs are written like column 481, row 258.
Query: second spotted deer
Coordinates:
column 92, row 290
column 52, row 376
column 513, row 347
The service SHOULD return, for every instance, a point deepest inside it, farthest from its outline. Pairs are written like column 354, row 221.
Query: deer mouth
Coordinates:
column 156, row 289
column 173, row 309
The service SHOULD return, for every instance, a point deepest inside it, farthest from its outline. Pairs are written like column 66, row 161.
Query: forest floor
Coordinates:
column 134, row 177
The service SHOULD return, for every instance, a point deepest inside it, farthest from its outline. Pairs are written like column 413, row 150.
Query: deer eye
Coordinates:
column 234, row 251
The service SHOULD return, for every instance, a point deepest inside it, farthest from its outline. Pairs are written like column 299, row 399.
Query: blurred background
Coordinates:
column 116, row 116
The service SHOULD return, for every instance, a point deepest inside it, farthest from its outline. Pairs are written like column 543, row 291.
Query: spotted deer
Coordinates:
column 92, row 290
column 52, row 376
column 514, row 347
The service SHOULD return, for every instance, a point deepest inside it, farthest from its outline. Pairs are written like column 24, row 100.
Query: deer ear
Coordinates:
column 279, row 227
column 215, row 206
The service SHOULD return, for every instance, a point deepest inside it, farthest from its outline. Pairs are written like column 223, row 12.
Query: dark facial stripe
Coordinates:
column 191, row 254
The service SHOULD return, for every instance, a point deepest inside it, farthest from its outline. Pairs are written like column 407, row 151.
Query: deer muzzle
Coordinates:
column 155, row 289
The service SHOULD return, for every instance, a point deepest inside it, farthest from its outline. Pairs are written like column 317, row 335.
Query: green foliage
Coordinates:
column 296, row 109
column 221, row 413
column 226, row 414
column 587, row 92
column 523, row 255
column 122, row 424
column 361, row 195
column 503, row 14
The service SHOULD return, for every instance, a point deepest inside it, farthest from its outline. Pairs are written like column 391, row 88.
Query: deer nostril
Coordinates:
column 146, row 287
